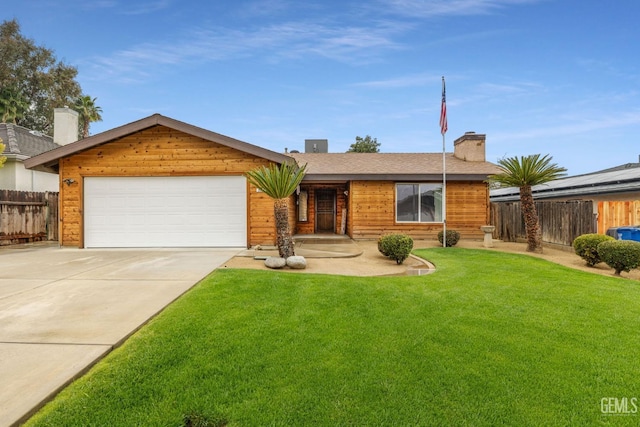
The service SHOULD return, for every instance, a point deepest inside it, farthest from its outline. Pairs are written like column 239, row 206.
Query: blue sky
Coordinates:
column 558, row 77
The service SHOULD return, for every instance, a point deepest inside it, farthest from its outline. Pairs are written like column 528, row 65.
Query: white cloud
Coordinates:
column 577, row 126
column 99, row 4
column 429, row 8
column 275, row 42
column 411, row 80
column 517, row 88
column 145, row 8
column 127, row 8
column 332, row 37
column 261, row 8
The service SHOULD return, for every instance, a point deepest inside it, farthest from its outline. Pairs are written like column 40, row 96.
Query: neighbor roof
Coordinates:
column 390, row 166
column 49, row 161
column 23, row 143
column 614, row 181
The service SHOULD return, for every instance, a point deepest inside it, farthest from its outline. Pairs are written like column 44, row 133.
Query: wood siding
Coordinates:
column 159, row 151
column 261, row 222
column 372, row 211
column 616, row 214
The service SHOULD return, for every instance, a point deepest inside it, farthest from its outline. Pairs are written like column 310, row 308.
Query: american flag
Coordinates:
column 443, row 110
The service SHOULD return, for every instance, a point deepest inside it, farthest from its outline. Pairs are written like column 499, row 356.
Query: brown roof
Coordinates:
column 390, row 166
column 49, row 161
column 321, row 166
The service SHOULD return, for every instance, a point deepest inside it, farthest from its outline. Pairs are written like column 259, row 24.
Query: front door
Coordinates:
column 325, row 211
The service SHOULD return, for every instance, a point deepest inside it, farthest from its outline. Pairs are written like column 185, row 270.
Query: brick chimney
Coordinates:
column 65, row 126
column 470, row 147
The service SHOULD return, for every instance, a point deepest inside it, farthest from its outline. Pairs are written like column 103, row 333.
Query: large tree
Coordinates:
column 88, row 112
column 364, row 145
column 33, row 81
column 279, row 182
column 525, row 172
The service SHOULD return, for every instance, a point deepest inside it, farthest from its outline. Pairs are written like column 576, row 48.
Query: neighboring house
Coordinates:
column 159, row 182
column 610, row 191
column 619, row 183
column 22, row 144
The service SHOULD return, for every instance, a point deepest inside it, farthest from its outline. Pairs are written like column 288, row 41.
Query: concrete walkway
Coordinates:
column 61, row 310
column 313, row 246
column 334, row 254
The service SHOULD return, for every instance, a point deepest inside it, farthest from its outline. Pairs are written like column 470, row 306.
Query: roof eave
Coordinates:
column 572, row 192
column 317, row 177
column 51, row 158
column 15, row 157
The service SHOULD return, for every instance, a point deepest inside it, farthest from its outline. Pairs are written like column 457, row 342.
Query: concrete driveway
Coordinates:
column 61, row 310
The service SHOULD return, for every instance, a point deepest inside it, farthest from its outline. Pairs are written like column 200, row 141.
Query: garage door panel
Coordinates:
column 165, row 211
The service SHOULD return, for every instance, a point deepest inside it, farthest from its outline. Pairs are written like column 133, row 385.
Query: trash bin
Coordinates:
column 613, row 232
column 628, row 233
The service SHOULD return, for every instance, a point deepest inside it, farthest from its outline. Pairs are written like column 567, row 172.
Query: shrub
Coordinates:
column 621, row 255
column 382, row 245
column 586, row 247
column 452, row 237
column 395, row 246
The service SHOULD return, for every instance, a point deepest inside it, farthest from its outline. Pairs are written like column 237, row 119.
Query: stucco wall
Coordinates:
column 13, row 176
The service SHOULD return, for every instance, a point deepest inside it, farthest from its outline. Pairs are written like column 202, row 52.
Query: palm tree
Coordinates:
column 279, row 182
column 89, row 112
column 525, row 172
column 12, row 105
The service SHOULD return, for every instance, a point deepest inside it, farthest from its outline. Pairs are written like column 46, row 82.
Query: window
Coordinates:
column 303, row 208
column 419, row 202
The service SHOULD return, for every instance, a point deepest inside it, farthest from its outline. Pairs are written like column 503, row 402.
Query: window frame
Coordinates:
column 438, row 189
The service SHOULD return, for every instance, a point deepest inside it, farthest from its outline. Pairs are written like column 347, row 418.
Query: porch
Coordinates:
column 321, row 209
column 326, row 245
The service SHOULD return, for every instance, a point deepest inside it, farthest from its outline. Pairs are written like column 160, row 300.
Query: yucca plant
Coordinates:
column 279, row 182
column 525, row 172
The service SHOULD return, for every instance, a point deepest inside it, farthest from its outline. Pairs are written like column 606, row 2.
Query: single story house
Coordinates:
column 160, row 182
column 21, row 144
column 618, row 183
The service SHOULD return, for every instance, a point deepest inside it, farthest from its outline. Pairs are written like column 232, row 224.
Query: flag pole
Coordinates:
column 444, row 195
column 443, row 131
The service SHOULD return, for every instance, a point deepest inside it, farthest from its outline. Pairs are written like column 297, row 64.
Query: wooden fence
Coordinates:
column 561, row 222
column 618, row 213
column 28, row 216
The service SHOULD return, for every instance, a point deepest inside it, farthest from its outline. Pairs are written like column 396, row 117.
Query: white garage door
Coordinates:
column 201, row 211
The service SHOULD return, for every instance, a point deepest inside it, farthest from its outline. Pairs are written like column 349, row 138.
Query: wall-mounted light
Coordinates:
column 68, row 181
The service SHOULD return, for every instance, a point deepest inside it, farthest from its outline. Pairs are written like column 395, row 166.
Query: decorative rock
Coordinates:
column 297, row 262
column 275, row 262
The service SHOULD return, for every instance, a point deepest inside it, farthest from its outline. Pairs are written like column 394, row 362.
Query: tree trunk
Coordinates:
column 284, row 240
column 532, row 227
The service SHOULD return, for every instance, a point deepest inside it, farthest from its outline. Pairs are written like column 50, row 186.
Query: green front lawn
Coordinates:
column 489, row 339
